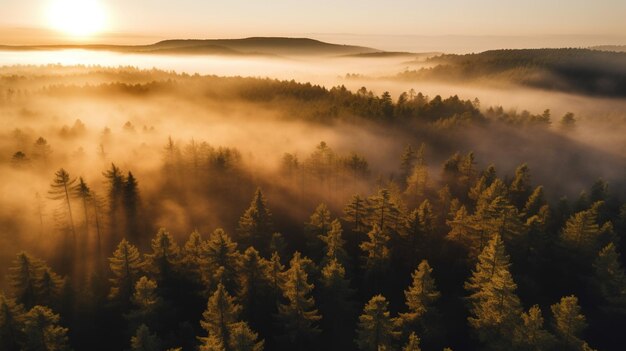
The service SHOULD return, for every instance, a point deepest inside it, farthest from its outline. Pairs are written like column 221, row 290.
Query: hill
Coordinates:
column 256, row 45
column 583, row 71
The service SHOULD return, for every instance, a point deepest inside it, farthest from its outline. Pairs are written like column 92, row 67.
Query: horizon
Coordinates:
column 401, row 26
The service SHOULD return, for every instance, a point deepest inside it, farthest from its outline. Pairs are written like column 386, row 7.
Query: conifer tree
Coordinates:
column 50, row 288
column 242, row 338
column 143, row 340
column 298, row 316
column 131, row 202
column 221, row 251
column 43, row 332
column 255, row 226
column 420, row 297
column 221, row 313
column 254, row 287
column 25, row 274
column 569, row 321
column 356, row 213
column 116, row 180
column 520, row 187
column 82, row 192
column 376, row 328
column 11, row 324
column 581, row 232
column 146, row 300
column 334, row 244
column 495, row 308
column 413, row 344
column 193, row 256
column 531, row 334
column 610, row 279
column 276, row 274
column 376, row 253
column 125, row 265
column 317, row 225
column 535, row 202
column 60, row 189
column 417, row 181
column 407, row 162
column 336, row 304
column 165, row 256
column 383, row 212
column 485, row 181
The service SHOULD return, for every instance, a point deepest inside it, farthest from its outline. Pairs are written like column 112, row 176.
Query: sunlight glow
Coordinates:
column 77, row 18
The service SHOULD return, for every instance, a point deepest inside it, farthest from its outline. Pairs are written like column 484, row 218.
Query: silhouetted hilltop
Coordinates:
column 256, row 45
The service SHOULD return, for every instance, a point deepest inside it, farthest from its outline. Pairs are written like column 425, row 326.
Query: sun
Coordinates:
column 77, row 18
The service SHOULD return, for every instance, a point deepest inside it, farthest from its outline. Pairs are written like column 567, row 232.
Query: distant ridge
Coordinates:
column 281, row 46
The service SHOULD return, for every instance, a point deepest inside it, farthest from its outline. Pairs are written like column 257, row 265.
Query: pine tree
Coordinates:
column 221, row 251
column 336, row 304
column 535, row 202
column 334, row 244
column 298, row 316
column 407, row 162
column 143, row 340
column 131, row 202
column 42, row 151
column 318, row 225
column 220, row 314
column 356, row 214
column 276, row 274
column 82, row 192
column 255, row 226
column 43, row 332
column 383, row 212
column 377, row 254
column 582, row 231
column 50, row 288
column 25, row 275
column 610, row 279
column 485, row 181
column 193, row 256
column 254, row 287
column 413, row 344
column 242, row 338
column 420, row 297
column 417, row 182
column 60, row 189
column 125, row 266
column 146, row 300
column 116, row 180
column 11, row 324
column 376, row 328
column 569, row 321
column 531, row 335
column 165, row 256
column 520, row 187
column 495, row 308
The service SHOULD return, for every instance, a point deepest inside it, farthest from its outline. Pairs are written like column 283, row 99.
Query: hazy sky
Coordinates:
column 145, row 20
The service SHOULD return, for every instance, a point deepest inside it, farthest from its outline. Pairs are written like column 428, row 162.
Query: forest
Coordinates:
column 600, row 72
column 152, row 210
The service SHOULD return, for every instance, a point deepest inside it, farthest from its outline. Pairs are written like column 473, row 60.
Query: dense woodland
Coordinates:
column 583, row 71
column 433, row 250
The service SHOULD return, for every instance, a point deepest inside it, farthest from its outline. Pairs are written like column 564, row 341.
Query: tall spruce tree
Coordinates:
column 569, row 322
column 422, row 316
column 43, row 332
column 255, row 226
column 298, row 317
column 126, row 266
column 495, row 308
column 376, row 328
column 11, row 324
column 221, row 252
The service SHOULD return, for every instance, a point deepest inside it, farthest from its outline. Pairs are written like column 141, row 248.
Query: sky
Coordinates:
column 387, row 23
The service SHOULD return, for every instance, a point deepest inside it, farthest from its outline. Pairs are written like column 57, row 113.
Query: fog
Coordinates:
column 131, row 129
